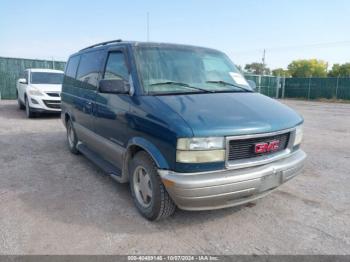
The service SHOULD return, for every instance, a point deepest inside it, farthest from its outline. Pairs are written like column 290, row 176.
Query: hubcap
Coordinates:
column 70, row 135
column 142, row 186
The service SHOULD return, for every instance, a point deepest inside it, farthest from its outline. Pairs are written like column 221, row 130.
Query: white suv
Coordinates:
column 40, row 91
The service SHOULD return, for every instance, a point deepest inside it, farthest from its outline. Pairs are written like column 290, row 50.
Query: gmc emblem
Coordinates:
column 266, row 147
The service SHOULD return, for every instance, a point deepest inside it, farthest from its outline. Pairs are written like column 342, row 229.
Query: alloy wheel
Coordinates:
column 142, row 186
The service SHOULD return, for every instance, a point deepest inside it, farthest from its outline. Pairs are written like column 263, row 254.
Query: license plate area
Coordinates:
column 271, row 181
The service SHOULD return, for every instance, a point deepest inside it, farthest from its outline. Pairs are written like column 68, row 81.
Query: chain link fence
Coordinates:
column 267, row 85
column 11, row 69
column 303, row 88
column 318, row 88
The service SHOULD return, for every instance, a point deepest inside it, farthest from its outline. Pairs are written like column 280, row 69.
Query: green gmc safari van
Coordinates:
column 180, row 124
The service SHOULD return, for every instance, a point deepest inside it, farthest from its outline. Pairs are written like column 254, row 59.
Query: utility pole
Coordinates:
column 147, row 26
column 263, row 60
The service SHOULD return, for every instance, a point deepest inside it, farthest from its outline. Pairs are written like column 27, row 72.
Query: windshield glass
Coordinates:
column 46, row 78
column 169, row 70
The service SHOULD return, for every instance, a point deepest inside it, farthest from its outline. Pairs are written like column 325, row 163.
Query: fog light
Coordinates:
column 34, row 101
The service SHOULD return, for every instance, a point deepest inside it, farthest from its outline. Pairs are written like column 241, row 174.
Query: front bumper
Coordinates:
column 44, row 104
column 226, row 188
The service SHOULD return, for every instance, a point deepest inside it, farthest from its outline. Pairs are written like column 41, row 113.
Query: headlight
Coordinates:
column 34, row 92
column 298, row 135
column 201, row 143
column 200, row 150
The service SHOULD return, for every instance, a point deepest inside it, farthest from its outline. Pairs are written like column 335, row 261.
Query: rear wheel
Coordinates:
column 148, row 192
column 29, row 111
column 72, row 138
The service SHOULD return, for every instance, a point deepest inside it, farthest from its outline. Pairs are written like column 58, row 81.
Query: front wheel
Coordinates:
column 29, row 111
column 148, row 192
column 20, row 104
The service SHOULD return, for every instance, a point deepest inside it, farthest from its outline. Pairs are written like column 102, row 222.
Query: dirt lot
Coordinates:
column 53, row 202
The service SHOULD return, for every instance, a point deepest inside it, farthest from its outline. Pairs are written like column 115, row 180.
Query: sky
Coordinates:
column 288, row 30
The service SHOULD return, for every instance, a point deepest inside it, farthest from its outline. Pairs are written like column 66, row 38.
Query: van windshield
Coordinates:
column 46, row 78
column 172, row 70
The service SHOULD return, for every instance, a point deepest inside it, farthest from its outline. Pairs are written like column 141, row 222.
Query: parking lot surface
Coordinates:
column 53, row 202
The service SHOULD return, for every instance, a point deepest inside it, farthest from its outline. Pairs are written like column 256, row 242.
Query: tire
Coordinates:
column 72, row 139
column 20, row 104
column 157, row 204
column 29, row 111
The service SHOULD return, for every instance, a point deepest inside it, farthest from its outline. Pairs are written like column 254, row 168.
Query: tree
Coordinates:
column 340, row 70
column 308, row 68
column 280, row 72
column 239, row 67
column 257, row 69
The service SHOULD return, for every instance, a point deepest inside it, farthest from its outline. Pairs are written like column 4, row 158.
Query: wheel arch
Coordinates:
column 140, row 144
column 65, row 116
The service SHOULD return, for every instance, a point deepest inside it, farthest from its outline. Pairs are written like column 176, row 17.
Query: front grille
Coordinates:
column 53, row 94
column 245, row 148
column 53, row 104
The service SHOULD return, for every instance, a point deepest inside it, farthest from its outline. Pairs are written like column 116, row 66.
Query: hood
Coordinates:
column 47, row 87
column 225, row 114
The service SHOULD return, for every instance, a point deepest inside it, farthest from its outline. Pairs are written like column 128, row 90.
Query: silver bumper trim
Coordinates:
column 225, row 188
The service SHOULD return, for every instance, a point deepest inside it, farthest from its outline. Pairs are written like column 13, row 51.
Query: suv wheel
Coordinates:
column 29, row 111
column 148, row 192
column 72, row 138
column 20, row 104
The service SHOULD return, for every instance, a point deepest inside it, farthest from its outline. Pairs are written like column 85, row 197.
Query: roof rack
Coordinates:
column 103, row 43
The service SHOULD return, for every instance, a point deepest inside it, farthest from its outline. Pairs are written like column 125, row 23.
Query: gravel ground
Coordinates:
column 53, row 202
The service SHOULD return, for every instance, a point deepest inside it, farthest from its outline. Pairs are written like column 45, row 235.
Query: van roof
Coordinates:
column 133, row 43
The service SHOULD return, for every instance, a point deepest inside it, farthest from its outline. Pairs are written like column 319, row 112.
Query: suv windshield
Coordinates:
column 171, row 70
column 46, row 78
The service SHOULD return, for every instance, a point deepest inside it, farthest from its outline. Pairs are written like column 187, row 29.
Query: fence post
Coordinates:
column 278, row 83
column 259, row 81
column 308, row 93
column 336, row 89
column 283, row 86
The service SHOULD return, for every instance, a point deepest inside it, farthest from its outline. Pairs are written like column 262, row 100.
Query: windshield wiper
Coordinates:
column 228, row 84
column 181, row 84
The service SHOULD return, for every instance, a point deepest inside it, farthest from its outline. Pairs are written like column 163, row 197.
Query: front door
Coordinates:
column 111, row 110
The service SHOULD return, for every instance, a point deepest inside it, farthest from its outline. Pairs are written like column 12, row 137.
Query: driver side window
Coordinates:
column 116, row 68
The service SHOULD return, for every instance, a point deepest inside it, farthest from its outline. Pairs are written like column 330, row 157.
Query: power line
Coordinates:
column 281, row 48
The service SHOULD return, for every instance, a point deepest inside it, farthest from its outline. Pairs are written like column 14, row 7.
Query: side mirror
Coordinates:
column 22, row 81
column 252, row 84
column 114, row 86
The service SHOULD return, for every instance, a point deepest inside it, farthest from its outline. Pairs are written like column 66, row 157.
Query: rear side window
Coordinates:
column 89, row 69
column 72, row 66
column 116, row 67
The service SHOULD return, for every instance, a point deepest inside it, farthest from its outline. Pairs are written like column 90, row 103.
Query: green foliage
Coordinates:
column 257, row 69
column 340, row 70
column 281, row 72
column 308, row 68
column 239, row 67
